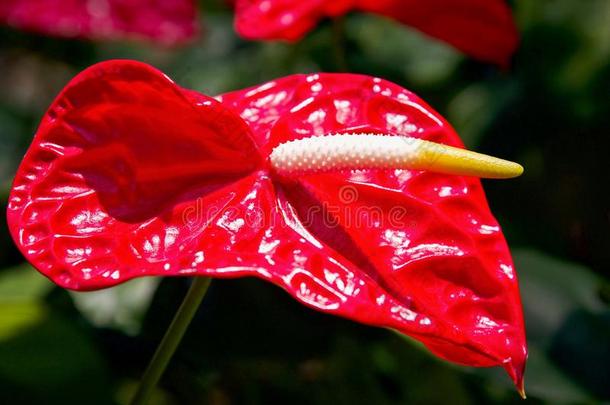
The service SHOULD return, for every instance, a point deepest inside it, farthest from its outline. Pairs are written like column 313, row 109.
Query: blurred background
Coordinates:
column 250, row 343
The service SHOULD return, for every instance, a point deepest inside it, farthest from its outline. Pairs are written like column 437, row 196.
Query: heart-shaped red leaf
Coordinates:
column 129, row 175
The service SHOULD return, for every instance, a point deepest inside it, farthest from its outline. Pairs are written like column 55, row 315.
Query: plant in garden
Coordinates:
column 483, row 29
column 347, row 191
column 165, row 22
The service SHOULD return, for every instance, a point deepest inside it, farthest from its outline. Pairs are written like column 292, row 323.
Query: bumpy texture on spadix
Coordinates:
column 483, row 29
column 322, row 154
column 130, row 175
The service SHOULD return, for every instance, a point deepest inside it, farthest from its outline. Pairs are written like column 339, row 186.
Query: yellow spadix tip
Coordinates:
column 450, row 160
column 373, row 151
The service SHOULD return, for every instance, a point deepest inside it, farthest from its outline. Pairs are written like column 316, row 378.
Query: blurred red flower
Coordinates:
column 130, row 175
column 483, row 29
column 167, row 22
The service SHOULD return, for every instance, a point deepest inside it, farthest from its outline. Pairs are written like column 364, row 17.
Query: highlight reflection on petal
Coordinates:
column 146, row 178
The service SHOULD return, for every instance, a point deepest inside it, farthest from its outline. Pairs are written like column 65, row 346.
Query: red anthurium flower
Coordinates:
column 163, row 21
column 130, row 175
column 481, row 28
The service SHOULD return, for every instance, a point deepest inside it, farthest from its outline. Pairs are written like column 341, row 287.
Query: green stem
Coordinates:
column 339, row 44
column 171, row 340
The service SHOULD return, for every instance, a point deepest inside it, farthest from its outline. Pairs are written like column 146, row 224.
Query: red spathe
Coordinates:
column 164, row 21
column 483, row 29
column 130, row 175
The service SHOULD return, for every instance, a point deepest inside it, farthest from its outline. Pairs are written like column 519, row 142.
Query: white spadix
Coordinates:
column 373, row 151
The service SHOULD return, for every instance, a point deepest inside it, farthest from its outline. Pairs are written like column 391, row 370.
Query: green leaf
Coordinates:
column 568, row 329
column 553, row 289
column 121, row 307
column 423, row 61
column 17, row 317
column 475, row 108
column 21, row 291
column 44, row 357
column 23, row 284
column 52, row 362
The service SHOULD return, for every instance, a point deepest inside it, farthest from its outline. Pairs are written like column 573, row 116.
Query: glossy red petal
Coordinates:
column 483, row 29
column 120, row 164
column 164, row 21
column 129, row 176
column 422, row 253
column 284, row 19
